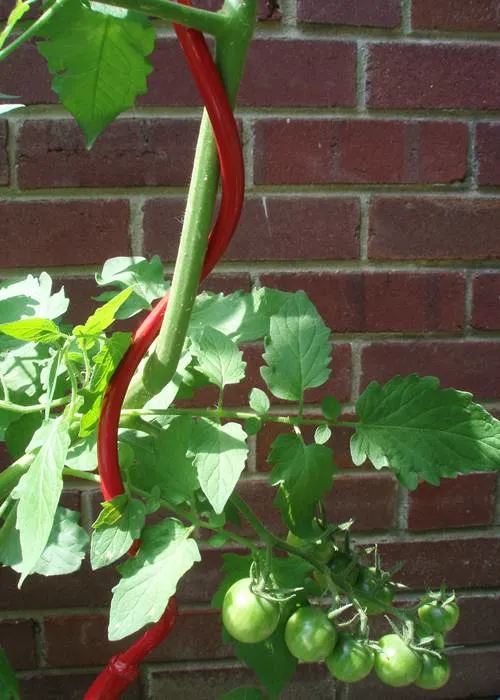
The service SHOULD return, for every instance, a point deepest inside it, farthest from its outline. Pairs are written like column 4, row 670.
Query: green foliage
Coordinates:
column 113, row 536
column 218, row 358
column 259, row 401
column 422, row 431
column 9, row 688
column 97, row 54
column 38, row 330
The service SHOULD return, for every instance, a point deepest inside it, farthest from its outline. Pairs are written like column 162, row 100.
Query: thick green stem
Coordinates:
column 35, row 408
column 232, row 44
column 33, row 29
column 10, row 477
column 192, row 17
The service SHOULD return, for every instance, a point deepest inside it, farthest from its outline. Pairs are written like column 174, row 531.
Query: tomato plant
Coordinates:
column 94, row 404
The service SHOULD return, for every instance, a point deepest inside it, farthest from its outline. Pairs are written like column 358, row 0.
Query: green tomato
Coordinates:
column 351, row 660
column 321, row 550
column 439, row 617
column 247, row 617
column 435, row 672
column 368, row 587
column 309, row 634
column 342, row 562
column 396, row 664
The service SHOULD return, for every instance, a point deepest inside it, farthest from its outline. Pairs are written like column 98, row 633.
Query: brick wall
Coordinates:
column 372, row 138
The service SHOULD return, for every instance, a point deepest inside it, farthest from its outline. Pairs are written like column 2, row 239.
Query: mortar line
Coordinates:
column 472, row 156
column 402, row 508
column 361, row 76
column 468, row 302
column 13, row 129
column 356, row 369
column 248, row 139
column 406, row 17
column 364, row 224
column 136, row 228
column 40, row 642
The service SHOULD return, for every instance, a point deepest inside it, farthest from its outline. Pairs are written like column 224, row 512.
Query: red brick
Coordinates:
column 474, row 674
column 70, row 686
column 345, row 12
column 467, row 501
column 310, row 680
column 466, row 365
column 17, row 639
column 488, row 153
column 460, row 15
column 431, row 229
column 201, row 582
column 62, row 232
column 368, row 498
column 130, row 153
column 479, row 621
column 359, row 151
column 262, row 9
column 486, row 301
column 318, row 73
column 359, row 302
column 82, row 640
column 34, row 85
column 416, row 76
column 271, row 228
column 462, row 563
column 227, row 282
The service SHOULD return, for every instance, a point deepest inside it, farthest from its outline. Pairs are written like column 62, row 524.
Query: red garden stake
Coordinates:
column 123, row 668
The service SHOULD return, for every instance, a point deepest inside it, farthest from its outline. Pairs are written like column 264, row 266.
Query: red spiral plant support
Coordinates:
column 123, row 668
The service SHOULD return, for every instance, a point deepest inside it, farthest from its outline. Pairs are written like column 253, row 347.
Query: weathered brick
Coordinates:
column 468, row 501
column 461, row 562
column 488, row 153
column 486, row 301
column 456, row 15
column 479, row 621
column 271, row 228
column 56, row 233
column 368, row 498
column 416, row 76
column 82, row 640
column 34, row 86
column 474, row 674
column 262, row 8
column 130, row 153
column 345, row 12
column 17, row 639
column 310, row 680
column 359, row 151
column 466, row 365
column 70, row 686
column 427, row 228
column 362, row 302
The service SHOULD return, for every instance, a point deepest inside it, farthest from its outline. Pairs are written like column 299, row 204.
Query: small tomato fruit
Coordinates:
column 309, row 634
column 351, row 660
column 435, row 672
column 396, row 664
column 439, row 617
column 248, row 617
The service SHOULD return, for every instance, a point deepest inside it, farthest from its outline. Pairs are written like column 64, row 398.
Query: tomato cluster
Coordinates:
column 252, row 611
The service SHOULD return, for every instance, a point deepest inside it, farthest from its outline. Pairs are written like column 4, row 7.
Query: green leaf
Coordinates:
column 218, row 357
column 112, row 511
column 234, row 567
column 9, row 688
column 107, row 360
column 422, row 431
column 166, row 396
column 19, row 432
column 244, row 693
column 291, row 571
column 331, row 408
column 82, row 455
column 271, row 660
column 252, row 425
column 304, row 474
column 110, row 542
column 150, row 578
column 36, row 330
column 38, row 492
column 99, row 62
column 101, row 319
column 322, row 434
column 177, row 474
column 220, row 453
column 259, row 401
column 297, row 350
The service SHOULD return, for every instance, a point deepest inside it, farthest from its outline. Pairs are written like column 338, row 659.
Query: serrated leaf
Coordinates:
column 164, row 398
column 82, row 455
column 322, row 434
column 331, row 408
column 422, row 431
column 111, row 511
column 101, row 319
column 259, row 401
column 218, row 357
column 252, row 425
column 19, row 432
column 177, row 473
column 107, row 360
column 244, row 693
column 99, row 62
column 66, row 545
column 38, row 493
column 110, row 542
column 35, row 330
column 234, row 567
column 150, row 578
column 220, row 453
column 297, row 350
column 304, row 474
column 9, row 688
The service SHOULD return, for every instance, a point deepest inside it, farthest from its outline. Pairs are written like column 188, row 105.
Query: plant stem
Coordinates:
column 232, row 44
column 191, row 17
column 78, row 474
column 32, row 30
column 35, row 408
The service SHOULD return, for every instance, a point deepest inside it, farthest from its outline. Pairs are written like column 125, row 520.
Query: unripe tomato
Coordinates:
column 435, row 672
column 342, row 562
column 368, row 588
column 439, row 617
column 321, row 550
column 309, row 634
column 396, row 664
column 351, row 660
column 247, row 617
